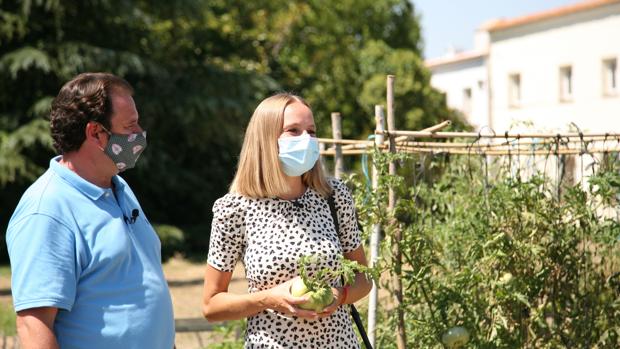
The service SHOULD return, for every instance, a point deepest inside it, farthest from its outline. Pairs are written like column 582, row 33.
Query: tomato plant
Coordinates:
column 498, row 254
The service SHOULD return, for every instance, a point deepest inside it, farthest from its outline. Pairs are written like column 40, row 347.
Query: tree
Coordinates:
column 199, row 69
column 193, row 94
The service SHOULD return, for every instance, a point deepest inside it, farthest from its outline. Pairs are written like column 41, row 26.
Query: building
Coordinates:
column 549, row 69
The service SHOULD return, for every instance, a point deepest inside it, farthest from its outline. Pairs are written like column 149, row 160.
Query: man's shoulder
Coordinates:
column 47, row 195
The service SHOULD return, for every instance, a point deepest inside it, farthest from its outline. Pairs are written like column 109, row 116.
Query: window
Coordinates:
column 467, row 101
column 610, row 77
column 514, row 90
column 566, row 83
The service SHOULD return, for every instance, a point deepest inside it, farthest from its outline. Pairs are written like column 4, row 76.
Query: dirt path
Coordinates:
column 186, row 280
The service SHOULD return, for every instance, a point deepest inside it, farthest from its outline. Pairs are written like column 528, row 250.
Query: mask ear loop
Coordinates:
column 103, row 130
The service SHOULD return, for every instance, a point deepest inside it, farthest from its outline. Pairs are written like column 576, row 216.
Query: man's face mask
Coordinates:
column 298, row 154
column 125, row 149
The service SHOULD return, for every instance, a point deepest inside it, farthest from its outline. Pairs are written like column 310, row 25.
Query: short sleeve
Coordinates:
column 43, row 263
column 350, row 235
column 227, row 240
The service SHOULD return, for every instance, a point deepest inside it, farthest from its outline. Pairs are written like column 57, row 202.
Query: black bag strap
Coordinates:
column 331, row 201
column 332, row 208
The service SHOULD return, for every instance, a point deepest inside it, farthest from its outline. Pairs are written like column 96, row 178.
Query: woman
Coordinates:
column 276, row 212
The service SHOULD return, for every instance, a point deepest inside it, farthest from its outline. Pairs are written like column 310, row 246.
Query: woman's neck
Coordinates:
column 296, row 188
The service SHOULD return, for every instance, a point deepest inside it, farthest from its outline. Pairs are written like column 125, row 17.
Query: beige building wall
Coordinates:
column 562, row 65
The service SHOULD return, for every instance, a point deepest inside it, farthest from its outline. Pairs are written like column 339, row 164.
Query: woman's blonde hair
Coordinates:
column 259, row 173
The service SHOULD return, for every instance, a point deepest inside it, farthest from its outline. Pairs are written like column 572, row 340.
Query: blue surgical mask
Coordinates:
column 298, row 154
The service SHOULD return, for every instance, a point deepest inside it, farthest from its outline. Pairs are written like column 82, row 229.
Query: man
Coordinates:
column 85, row 261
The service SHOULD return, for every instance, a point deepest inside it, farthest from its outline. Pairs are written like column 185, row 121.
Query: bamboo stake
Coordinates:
column 342, row 141
column 321, row 151
column 375, row 235
column 435, row 128
column 360, row 144
column 331, row 152
column 337, row 134
column 494, row 145
column 426, row 134
column 504, row 152
column 483, row 152
column 476, row 145
column 524, row 152
column 401, row 335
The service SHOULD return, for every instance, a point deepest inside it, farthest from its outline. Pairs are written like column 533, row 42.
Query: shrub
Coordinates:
column 172, row 240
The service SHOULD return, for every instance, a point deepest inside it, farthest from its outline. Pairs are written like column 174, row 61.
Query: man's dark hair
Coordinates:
column 84, row 99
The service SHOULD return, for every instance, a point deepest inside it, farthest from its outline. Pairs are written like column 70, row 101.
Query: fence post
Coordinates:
column 401, row 338
column 337, row 135
column 322, row 148
column 376, row 230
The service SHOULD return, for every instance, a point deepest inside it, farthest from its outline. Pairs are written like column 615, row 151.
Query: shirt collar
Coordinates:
column 87, row 188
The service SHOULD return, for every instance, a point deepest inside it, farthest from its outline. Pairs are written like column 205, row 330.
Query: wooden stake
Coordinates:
column 401, row 335
column 435, row 128
column 375, row 236
column 337, row 134
column 426, row 134
column 472, row 152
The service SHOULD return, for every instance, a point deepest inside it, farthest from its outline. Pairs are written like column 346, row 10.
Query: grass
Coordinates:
column 7, row 314
column 5, row 270
column 7, row 320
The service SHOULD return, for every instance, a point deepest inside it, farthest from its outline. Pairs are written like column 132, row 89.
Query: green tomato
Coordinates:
column 506, row 277
column 455, row 337
column 318, row 299
column 298, row 288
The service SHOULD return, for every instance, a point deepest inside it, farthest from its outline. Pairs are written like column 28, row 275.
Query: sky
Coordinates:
column 453, row 23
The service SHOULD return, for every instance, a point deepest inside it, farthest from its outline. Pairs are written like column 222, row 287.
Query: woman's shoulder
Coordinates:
column 337, row 185
column 231, row 203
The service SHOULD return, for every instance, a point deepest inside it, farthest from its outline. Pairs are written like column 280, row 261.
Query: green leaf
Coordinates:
column 23, row 59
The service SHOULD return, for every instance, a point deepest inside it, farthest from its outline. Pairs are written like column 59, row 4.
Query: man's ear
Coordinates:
column 93, row 133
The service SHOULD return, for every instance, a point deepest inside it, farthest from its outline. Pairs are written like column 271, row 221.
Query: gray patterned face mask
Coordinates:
column 124, row 149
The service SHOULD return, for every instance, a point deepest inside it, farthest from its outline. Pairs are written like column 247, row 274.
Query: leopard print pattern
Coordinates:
column 269, row 235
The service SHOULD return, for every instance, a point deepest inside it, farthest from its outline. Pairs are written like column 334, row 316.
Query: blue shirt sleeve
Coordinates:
column 43, row 263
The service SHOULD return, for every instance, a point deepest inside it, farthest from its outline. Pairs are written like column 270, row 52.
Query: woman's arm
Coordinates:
column 360, row 288
column 219, row 304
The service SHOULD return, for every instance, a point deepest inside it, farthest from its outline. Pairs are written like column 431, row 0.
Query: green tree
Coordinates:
column 194, row 90
column 199, row 68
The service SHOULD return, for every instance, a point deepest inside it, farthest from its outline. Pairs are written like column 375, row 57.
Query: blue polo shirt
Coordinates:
column 76, row 247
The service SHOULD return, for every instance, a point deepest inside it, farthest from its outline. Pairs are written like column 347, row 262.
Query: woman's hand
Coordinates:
column 330, row 309
column 280, row 299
